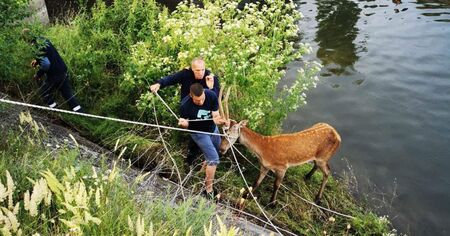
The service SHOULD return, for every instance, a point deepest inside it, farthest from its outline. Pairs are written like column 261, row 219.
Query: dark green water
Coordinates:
column 386, row 88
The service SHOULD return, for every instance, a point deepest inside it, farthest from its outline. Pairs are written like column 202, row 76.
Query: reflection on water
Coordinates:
column 435, row 8
column 336, row 34
column 433, row 4
column 337, row 28
column 385, row 87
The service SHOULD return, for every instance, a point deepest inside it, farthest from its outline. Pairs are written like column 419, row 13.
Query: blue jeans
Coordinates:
column 209, row 144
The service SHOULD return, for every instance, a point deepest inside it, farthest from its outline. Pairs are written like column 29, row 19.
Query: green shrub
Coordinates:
column 16, row 55
column 12, row 11
column 247, row 49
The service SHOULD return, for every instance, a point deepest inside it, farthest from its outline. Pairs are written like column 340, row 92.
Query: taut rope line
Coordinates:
column 173, row 113
column 164, row 127
column 104, row 117
column 162, row 100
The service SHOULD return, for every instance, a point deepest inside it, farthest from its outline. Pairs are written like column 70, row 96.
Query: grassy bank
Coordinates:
column 51, row 191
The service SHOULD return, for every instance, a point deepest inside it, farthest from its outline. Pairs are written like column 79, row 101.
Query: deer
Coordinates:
column 277, row 153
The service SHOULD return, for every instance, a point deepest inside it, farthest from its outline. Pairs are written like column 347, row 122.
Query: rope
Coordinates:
column 105, row 118
column 162, row 100
column 173, row 113
column 168, row 153
column 251, row 193
column 170, row 128
column 255, row 217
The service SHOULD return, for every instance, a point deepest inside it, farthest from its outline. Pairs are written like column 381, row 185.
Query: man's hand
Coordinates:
column 154, row 88
column 221, row 121
column 210, row 81
column 34, row 63
column 183, row 123
column 227, row 124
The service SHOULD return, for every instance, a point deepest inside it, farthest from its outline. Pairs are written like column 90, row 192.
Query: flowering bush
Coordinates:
column 246, row 48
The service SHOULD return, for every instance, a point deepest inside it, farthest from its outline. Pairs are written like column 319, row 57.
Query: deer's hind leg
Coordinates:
column 308, row 176
column 325, row 168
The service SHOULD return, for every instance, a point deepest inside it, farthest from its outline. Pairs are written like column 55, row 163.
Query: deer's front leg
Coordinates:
column 279, row 178
column 262, row 173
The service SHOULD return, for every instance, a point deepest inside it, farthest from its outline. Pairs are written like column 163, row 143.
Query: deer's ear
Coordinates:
column 243, row 122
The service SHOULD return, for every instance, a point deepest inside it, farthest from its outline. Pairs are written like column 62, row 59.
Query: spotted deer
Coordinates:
column 279, row 152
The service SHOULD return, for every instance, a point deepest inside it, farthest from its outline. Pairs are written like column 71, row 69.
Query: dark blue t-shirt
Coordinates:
column 189, row 110
column 186, row 78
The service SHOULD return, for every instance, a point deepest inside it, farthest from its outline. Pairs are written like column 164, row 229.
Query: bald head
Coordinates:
column 198, row 67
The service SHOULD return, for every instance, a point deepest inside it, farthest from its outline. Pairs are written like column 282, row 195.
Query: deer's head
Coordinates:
column 232, row 135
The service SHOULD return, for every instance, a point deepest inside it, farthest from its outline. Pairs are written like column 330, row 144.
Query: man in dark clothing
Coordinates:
column 203, row 104
column 196, row 74
column 52, row 65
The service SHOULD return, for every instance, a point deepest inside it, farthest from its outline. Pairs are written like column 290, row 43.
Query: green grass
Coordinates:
column 25, row 157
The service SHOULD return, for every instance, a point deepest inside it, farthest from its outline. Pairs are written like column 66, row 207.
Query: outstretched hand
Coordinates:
column 210, row 81
column 226, row 123
column 154, row 88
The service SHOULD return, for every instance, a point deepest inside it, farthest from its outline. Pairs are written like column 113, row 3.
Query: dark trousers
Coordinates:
column 60, row 83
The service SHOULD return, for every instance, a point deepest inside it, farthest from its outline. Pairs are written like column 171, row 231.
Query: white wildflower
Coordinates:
column 97, row 197
column 166, row 39
column 130, row 224
column 10, row 191
column 140, row 226
column 3, row 193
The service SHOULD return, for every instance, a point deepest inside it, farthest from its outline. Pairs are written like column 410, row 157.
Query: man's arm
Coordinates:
column 42, row 60
column 212, row 82
column 44, row 66
column 167, row 81
column 216, row 87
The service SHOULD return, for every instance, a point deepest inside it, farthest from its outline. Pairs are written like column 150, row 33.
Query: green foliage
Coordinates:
column 245, row 48
column 12, row 10
column 12, row 47
column 17, row 57
column 371, row 224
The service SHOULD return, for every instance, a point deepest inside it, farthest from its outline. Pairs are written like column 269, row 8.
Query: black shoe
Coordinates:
column 212, row 196
column 189, row 161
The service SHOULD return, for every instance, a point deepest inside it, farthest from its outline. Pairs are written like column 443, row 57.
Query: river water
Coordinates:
column 385, row 87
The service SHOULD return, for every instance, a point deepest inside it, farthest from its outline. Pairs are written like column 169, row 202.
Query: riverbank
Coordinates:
column 42, row 132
